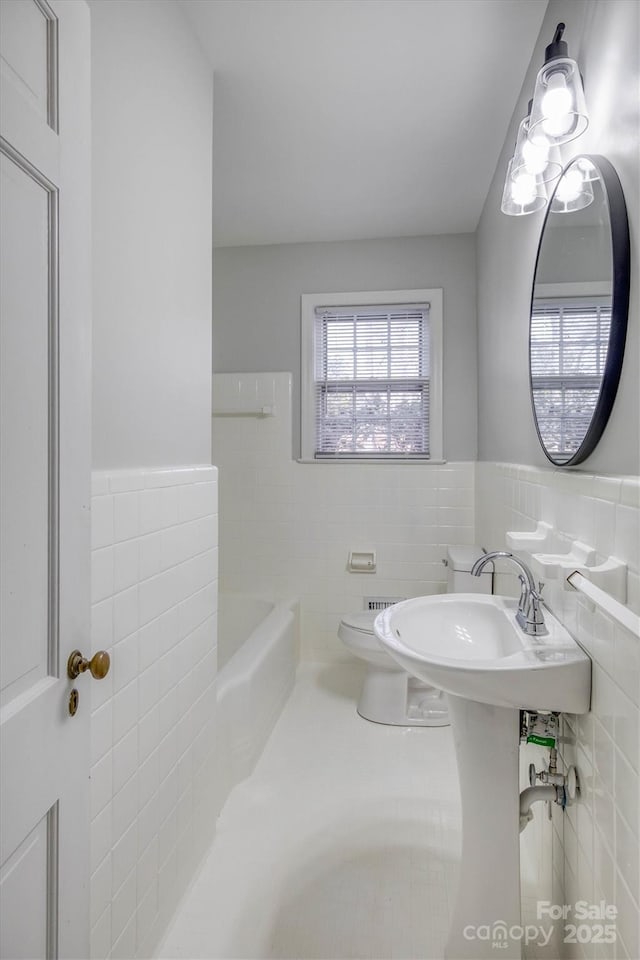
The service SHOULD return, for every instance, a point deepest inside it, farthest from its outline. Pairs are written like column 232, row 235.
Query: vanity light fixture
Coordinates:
column 556, row 115
column 559, row 112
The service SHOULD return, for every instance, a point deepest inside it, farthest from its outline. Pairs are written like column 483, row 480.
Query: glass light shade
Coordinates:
column 541, row 159
column 522, row 194
column 587, row 169
column 572, row 193
column 559, row 111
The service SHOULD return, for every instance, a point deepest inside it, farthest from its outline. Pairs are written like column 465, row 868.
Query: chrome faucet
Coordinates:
column 529, row 616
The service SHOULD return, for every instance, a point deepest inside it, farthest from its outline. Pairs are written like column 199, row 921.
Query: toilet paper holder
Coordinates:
column 361, row 561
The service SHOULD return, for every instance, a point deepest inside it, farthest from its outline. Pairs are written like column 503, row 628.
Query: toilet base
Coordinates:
column 395, row 698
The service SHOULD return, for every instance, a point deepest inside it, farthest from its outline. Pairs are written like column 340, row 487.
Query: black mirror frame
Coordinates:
column 621, row 269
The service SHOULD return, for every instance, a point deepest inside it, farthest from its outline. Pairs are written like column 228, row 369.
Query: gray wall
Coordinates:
column 603, row 36
column 152, row 102
column 256, row 313
column 571, row 255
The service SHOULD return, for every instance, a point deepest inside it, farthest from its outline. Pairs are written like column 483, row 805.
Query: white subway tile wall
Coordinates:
column 286, row 528
column 596, row 843
column 154, row 608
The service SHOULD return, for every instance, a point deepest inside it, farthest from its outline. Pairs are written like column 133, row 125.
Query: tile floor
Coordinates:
column 344, row 842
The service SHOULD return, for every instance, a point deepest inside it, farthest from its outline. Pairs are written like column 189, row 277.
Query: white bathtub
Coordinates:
column 257, row 656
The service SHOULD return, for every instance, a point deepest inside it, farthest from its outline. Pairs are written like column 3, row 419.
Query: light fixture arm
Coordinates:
column 558, row 47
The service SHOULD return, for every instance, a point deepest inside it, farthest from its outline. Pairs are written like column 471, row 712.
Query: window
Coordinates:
column 372, row 376
column 569, row 342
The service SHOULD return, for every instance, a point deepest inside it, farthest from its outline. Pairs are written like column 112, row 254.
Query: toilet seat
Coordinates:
column 389, row 695
column 361, row 621
column 356, row 632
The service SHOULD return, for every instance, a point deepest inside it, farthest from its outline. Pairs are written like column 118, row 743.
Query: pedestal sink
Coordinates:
column 471, row 647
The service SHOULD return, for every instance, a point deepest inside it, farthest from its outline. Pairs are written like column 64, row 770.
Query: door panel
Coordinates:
column 27, row 892
column 25, row 45
column 44, row 476
column 27, row 464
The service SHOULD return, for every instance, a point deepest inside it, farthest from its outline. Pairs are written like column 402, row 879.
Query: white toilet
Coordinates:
column 389, row 694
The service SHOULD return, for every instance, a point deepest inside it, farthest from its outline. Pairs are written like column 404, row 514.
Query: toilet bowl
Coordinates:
column 389, row 695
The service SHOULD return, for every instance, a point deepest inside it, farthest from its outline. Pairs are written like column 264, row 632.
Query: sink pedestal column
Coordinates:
column 486, row 740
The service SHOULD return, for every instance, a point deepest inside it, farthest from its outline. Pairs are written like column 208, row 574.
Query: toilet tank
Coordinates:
column 460, row 559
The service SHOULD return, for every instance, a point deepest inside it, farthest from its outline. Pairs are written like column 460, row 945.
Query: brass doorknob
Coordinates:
column 98, row 666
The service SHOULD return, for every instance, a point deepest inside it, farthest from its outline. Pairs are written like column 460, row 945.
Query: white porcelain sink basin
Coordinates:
column 470, row 645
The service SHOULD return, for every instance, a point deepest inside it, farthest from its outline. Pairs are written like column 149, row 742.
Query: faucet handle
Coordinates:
column 540, row 588
column 523, row 591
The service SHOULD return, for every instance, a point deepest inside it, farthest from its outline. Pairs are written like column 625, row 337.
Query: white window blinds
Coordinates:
column 569, row 342
column 371, row 381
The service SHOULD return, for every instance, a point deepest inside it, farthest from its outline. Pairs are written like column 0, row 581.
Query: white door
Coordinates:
column 44, row 475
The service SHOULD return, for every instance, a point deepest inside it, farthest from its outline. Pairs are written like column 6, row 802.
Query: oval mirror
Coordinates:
column 579, row 308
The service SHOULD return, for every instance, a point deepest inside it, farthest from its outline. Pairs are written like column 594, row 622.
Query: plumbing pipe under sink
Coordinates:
column 531, row 795
column 557, row 787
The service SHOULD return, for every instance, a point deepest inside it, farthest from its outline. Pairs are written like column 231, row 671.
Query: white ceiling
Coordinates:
column 355, row 119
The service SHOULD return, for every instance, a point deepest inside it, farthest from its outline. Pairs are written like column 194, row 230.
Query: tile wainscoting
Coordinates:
column 154, row 603
column 596, row 844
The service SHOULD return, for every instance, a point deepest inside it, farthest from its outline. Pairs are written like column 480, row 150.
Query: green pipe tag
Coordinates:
column 541, row 741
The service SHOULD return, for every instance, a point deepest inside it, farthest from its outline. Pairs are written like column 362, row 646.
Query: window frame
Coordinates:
column 309, row 302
